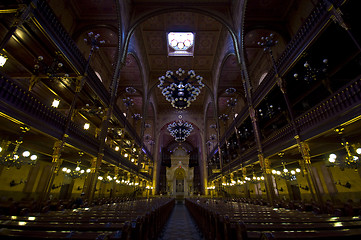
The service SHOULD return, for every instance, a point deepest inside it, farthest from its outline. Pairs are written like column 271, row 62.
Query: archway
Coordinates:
column 180, row 175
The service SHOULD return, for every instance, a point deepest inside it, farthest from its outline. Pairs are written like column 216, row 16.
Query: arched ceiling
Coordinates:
column 149, row 45
column 147, row 57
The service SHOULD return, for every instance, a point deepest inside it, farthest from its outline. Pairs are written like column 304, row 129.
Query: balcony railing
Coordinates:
column 23, row 106
column 342, row 106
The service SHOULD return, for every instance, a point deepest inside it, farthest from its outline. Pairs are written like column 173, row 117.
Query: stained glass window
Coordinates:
column 180, row 43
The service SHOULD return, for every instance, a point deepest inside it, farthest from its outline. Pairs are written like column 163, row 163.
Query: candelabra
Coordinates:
column 286, row 174
column 128, row 102
column 255, row 179
column 137, row 116
column 51, row 71
column 312, row 73
column 180, row 89
column 95, row 110
column 11, row 158
column 180, row 130
column 224, row 117
column 349, row 160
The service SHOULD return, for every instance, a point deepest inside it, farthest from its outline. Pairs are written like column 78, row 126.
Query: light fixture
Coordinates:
column 180, row 130
column 77, row 172
column 312, row 73
column 128, row 102
column 254, row 179
column 11, row 158
column 286, row 174
column 137, row 116
column 92, row 109
column 180, row 89
column 116, row 148
column 349, row 160
column 86, row 126
column 224, row 117
column 55, row 103
column 106, row 178
column 3, row 59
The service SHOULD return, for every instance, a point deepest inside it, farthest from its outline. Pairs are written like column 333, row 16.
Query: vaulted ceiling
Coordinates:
column 214, row 58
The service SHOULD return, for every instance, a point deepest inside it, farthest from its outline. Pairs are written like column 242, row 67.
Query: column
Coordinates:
column 268, row 182
column 307, row 171
column 53, row 170
column 91, row 180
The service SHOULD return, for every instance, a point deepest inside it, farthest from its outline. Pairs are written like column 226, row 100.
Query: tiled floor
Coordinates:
column 180, row 226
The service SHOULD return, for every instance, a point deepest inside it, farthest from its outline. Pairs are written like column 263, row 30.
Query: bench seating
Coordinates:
column 142, row 219
column 241, row 221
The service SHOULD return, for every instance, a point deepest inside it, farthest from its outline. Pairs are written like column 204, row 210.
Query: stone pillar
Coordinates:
column 307, row 171
column 53, row 170
column 266, row 169
column 91, row 180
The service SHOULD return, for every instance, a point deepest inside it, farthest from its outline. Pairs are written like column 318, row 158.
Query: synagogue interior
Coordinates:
column 191, row 119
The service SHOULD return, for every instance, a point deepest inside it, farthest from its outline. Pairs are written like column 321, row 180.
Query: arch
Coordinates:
column 168, row 9
column 179, row 174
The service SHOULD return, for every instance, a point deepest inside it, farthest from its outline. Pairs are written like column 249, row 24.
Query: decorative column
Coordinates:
column 224, row 117
column 267, row 173
column 54, row 169
column 307, row 171
column 268, row 43
column 58, row 146
column 246, row 189
column 203, row 165
column 91, row 180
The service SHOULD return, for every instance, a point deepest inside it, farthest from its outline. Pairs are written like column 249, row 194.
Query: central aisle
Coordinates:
column 180, row 226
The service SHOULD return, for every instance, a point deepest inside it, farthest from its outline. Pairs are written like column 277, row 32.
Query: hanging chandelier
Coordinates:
column 180, row 89
column 10, row 156
column 180, row 130
column 350, row 158
column 287, row 174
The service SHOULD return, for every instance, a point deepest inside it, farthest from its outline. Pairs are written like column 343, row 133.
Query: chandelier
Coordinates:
column 77, row 172
column 254, row 179
column 349, row 160
column 180, row 89
column 180, row 130
column 12, row 158
column 286, row 174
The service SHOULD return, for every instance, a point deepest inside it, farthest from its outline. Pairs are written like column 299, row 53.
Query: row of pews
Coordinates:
column 27, row 206
column 138, row 219
column 228, row 220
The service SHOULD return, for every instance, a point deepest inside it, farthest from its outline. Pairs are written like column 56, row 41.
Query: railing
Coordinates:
column 342, row 106
column 114, row 157
column 23, row 106
column 15, row 100
column 345, row 102
column 118, row 114
column 49, row 22
column 318, row 18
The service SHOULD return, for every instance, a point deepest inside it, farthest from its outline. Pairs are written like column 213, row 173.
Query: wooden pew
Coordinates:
column 232, row 221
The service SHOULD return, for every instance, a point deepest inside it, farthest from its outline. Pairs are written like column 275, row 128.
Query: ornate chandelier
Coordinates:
column 10, row 157
column 180, row 89
column 350, row 158
column 287, row 174
column 180, row 130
